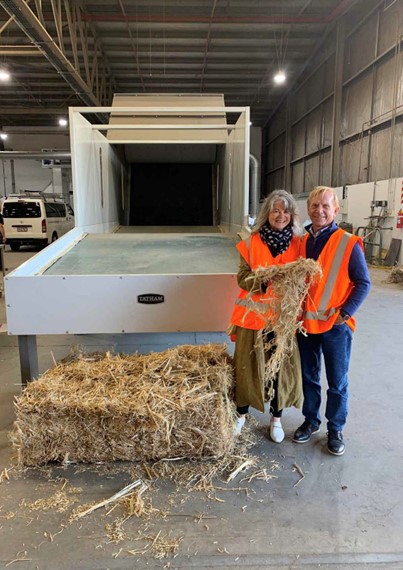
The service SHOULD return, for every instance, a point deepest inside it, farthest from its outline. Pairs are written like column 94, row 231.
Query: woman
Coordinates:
column 273, row 241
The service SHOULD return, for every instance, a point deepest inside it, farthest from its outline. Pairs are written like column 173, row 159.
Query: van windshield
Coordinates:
column 21, row 209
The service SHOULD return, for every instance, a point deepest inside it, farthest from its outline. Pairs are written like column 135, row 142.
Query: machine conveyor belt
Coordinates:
column 149, row 254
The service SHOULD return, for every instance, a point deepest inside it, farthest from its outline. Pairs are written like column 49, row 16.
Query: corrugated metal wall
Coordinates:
column 342, row 123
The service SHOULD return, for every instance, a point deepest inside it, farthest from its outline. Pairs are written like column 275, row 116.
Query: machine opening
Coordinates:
column 171, row 195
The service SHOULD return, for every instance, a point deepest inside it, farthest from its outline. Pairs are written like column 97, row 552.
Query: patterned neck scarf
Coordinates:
column 276, row 240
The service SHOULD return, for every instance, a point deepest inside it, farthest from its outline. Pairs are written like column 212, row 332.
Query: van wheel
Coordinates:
column 15, row 246
column 54, row 237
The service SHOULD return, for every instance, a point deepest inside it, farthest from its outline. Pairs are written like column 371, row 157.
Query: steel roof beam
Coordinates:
column 35, row 31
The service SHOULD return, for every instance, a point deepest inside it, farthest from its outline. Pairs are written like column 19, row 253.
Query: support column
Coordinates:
column 13, row 190
column 288, row 144
column 337, row 102
column 28, row 358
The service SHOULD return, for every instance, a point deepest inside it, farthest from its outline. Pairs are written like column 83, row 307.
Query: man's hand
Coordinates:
column 342, row 318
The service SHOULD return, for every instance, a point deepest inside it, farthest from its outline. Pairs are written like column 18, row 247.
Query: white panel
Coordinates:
column 360, row 197
column 188, row 105
column 302, row 210
column 108, row 303
column 235, row 195
column 97, row 190
column 224, row 196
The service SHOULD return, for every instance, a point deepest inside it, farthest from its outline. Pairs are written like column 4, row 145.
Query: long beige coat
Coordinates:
column 250, row 362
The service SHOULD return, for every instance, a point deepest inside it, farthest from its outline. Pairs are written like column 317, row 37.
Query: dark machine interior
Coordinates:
column 171, row 195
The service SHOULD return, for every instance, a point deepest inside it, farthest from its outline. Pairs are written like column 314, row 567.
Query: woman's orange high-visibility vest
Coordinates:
column 326, row 296
column 257, row 254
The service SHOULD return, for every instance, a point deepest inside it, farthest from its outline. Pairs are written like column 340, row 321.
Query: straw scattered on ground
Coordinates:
column 5, row 475
column 129, row 514
column 176, row 403
column 159, row 546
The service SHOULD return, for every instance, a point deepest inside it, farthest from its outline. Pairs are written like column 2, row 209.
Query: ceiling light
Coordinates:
column 63, row 122
column 280, row 78
column 250, row 123
column 3, row 136
column 4, row 75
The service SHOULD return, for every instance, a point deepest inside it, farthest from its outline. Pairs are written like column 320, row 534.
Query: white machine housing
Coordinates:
column 92, row 298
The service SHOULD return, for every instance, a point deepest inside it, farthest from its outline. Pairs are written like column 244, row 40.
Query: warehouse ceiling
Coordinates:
column 78, row 53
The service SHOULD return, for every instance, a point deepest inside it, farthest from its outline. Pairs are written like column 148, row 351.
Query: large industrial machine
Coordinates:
column 161, row 190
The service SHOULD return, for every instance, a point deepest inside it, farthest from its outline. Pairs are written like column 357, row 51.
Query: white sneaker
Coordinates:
column 239, row 425
column 276, row 432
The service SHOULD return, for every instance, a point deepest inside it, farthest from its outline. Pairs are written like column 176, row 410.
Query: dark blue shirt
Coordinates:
column 357, row 266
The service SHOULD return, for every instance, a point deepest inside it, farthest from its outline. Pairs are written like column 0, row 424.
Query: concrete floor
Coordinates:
column 346, row 513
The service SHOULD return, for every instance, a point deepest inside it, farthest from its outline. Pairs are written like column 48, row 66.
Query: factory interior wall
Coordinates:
column 171, row 195
column 306, row 143
column 29, row 174
column 355, row 208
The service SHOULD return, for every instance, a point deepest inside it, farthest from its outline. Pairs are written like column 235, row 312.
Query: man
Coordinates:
column 328, row 317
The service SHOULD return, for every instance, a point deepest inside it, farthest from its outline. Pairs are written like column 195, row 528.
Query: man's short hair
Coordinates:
column 318, row 190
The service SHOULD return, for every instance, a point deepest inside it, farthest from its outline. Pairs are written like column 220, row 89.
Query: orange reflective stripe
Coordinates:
column 319, row 315
column 254, row 305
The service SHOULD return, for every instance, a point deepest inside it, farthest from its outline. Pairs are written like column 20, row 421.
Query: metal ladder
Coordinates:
column 371, row 234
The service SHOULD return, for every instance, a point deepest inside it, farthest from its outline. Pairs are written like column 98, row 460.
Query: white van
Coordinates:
column 33, row 218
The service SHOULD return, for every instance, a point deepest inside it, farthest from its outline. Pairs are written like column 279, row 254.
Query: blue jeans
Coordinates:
column 335, row 345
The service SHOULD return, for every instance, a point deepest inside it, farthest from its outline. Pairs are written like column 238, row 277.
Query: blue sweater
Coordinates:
column 357, row 266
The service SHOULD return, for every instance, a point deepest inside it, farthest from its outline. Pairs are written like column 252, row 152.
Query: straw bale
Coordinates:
column 396, row 275
column 96, row 408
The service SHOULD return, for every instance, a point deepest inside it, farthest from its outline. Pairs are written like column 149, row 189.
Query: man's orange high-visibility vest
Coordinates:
column 257, row 254
column 326, row 296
